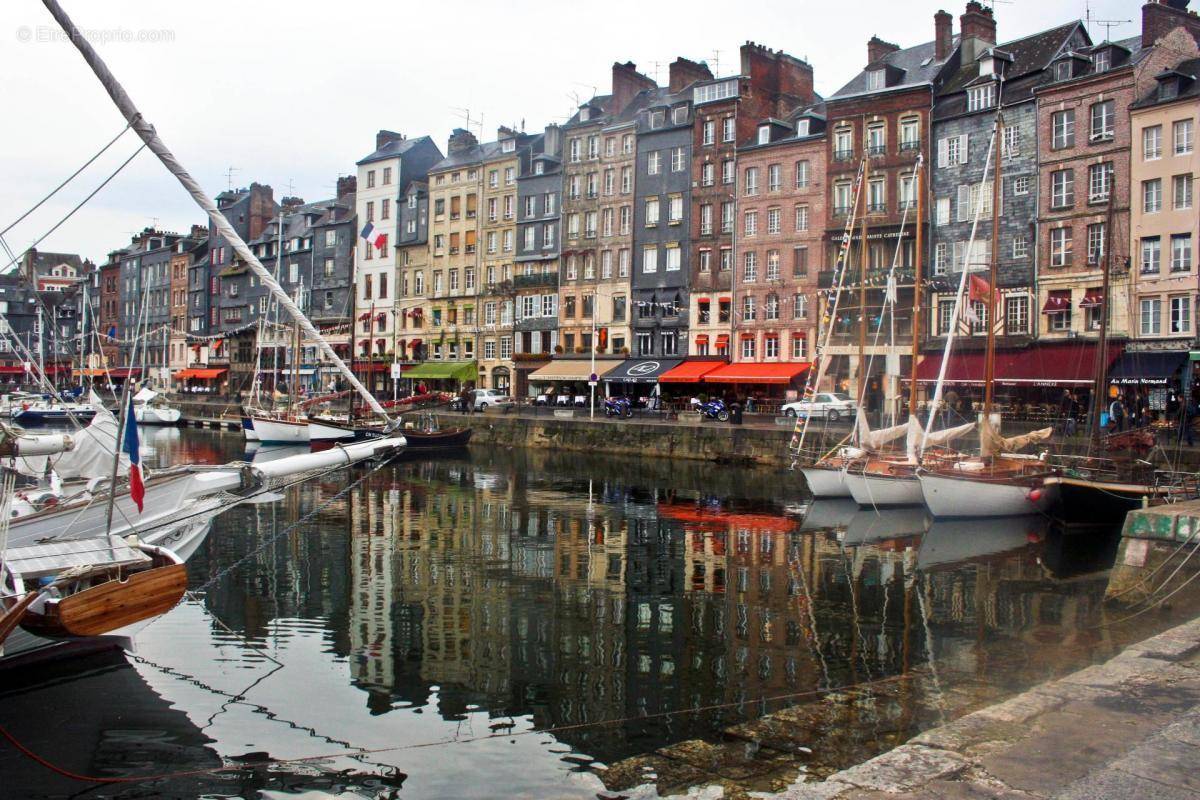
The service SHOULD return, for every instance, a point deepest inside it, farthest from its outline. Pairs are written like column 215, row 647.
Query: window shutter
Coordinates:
column 958, row 256
column 943, row 211
column 964, row 203
column 943, row 153
column 962, row 149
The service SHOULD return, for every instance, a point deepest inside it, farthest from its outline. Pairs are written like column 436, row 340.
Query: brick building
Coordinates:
column 728, row 110
column 782, row 176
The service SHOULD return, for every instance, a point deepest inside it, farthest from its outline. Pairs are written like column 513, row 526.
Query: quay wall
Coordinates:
column 1157, row 560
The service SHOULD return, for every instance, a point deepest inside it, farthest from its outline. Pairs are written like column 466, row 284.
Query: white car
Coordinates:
column 489, row 397
column 824, row 405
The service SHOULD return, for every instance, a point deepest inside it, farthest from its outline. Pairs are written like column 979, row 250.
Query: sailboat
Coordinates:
column 999, row 482
column 885, row 478
column 826, row 474
column 150, row 408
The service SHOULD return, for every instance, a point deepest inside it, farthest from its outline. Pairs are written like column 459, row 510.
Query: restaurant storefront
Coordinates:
column 1158, row 374
column 564, row 381
column 638, row 379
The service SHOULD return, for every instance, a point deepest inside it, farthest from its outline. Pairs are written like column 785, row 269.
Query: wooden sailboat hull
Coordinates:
column 1088, row 500
column 438, row 440
column 826, row 481
column 111, row 606
column 949, row 496
column 871, row 490
column 281, row 431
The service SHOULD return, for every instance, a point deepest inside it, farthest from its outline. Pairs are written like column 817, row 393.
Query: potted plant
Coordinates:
column 558, row 348
column 624, row 351
column 580, row 349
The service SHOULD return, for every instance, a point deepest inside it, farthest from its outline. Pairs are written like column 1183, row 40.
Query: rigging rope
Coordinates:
column 70, row 178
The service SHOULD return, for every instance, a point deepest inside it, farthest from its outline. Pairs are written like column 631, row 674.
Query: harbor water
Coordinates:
column 538, row 624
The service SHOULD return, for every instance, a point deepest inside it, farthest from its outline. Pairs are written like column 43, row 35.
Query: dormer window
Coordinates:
column 875, row 80
column 508, row 145
column 1102, row 60
column 987, row 66
column 538, row 168
column 1062, row 70
column 981, row 97
column 658, row 118
column 802, row 127
column 585, row 114
column 764, row 134
column 679, row 115
column 1168, row 89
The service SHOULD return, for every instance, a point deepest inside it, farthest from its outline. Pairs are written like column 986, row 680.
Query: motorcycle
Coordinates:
column 714, row 409
column 618, row 407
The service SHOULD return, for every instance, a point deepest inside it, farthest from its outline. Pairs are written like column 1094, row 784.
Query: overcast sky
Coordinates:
column 295, row 91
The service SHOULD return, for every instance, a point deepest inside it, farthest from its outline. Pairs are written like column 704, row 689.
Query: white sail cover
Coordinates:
column 918, row 440
column 145, row 395
column 873, row 441
column 992, row 443
column 92, row 455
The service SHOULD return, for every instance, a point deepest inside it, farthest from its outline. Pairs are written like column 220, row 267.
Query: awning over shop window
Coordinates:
column 1066, row 364
column 575, row 369
column 702, row 339
column 125, row 372
column 642, row 370
column 200, row 374
column 689, row 371
column 444, row 371
column 748, row 372
column 1148, row 369
column 1056, row 304
column 722, row 340
column 1092, row 299
column 88, row 372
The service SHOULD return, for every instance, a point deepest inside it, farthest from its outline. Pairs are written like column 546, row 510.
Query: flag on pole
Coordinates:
column 137, row 489
column 373, row 235
column 981, row 291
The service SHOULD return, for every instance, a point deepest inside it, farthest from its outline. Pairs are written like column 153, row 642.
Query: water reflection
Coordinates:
column 624, row 606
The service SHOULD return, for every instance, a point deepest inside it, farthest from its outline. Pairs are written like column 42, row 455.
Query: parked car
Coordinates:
column 824, row 405
column 482, row 399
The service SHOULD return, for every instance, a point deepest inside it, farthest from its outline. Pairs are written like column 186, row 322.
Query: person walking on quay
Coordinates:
column 1116, row 414
column 466, row 400
column 1066, row 408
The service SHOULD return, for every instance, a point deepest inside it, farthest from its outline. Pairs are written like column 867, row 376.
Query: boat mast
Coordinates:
column 147, row 134
column 916, row 309
column 1102, row 347
column 989, row 364
column 862, row 286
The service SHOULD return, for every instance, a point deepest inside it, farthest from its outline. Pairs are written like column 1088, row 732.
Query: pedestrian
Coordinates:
column 1143, row 408
column 465, row 399
column 1065, row 408
column 1116, row 414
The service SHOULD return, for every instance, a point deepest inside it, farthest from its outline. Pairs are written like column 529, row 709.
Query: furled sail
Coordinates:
column 992, row 443
column 919, row 439
column 873, row 441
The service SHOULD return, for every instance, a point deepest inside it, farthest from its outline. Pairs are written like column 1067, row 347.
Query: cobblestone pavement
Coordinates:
column 1128, row 728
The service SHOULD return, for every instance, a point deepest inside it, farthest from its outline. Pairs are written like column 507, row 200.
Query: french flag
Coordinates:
column 373, row 235
column 137, row 489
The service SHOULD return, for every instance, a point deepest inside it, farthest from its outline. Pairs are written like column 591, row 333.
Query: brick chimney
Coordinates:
column 785, row 81
column 943, row 35
column 626, row 83
column 977, row 30
column 1159, row 17
column 460, row 141
column 198, row 232
column 383, row 137
column 291, row 203
column 347, row 184
column 685, row 72
column 878, row 49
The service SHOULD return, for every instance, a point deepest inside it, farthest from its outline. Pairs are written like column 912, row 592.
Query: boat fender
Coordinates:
column 1035, row 495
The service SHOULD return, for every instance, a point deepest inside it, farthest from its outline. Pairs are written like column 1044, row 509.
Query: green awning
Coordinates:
column 444, row 370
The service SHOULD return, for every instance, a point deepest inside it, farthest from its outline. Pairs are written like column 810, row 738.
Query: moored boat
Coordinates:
column 277, row 429
column 1003, row 487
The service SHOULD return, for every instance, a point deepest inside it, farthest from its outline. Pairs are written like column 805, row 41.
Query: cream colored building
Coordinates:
column 1165, row 226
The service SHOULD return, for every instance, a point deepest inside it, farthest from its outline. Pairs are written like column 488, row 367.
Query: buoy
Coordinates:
column 1035, row 495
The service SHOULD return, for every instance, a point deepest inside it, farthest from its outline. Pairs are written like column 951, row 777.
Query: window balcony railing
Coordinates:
column 910, row 145
column 877, row 150
column 877, row 208
column 841, row 211
column 843, row 155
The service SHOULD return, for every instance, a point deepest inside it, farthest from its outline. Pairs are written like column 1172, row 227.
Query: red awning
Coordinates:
column 749, row 372
column 371, row 366
column 1092, row 300
column 747, row 335
column 726, row 299
column 381, row 343
column 703, row 301
column 1056, row 304
column 799, row 335
column 12, row 369
column 722, row 340
column 363, row 317
column 689, row 371
column 702, row 339
column 200, row 374
column 1054, row 364
column 415, row 343
column 125, row 372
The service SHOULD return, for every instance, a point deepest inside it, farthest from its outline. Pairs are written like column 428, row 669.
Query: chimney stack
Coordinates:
column 685, row 72
column 552, row 141
column 878, row 49
column 199, row 232
column 383, row 137
column 626, row 83
column 784, row 80
column 977, row 30
column 943, row 36
column 1159, row 17
column 346, row 185
column 460, row 141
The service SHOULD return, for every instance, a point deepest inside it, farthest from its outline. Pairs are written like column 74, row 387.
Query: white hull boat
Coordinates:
column 157, row 415
column 826, row 481
column 972, row 496
column 272, row 430
column 884, row 491
column 328, row 432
